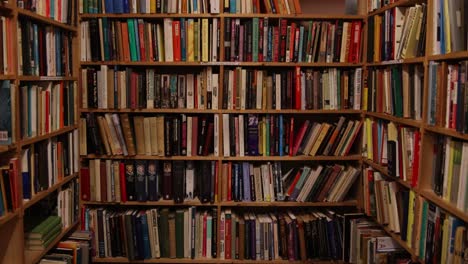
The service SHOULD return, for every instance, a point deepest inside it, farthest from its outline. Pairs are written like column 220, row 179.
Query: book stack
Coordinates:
column 6, row 57
column 9, row 200
column 285, row 7
column 44, row 50
column 8, row 110
column 114, row 88
column 396, row 90
column 397, row 34
column 172, row 40
column 63, row 11
column 249, row 182
column 74, row 250
column 149, row 180
column 301, row 89
column 154, row 233
column 264, row 40
column 448, row 105
column 41, row 234
column 275, row 135
column 150, row 7
column 47, row 107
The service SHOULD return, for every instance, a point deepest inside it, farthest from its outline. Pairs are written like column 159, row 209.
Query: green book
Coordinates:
column 397, row 93
column 105, row 36
column 44, row 227
column 164, row 233
column 46, row 243
column 179, row 232
column 40, row 240
column 131, row 39
column 196, row 38
column 255, row 39
column 422, row 240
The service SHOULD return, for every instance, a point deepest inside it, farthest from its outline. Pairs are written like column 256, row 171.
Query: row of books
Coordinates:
column 149, row 180
column 149, row 7
column 9, row 200
column 63, row 11
column 114, row 88
column 44, row 50
column 41, row 234
column 48, row 162
column 8, row 109
column 153, row 233
column 75, row 249
column 376, row 4
column 261, row 39
column 396, row 91
column 174, row 135
column 6, row 46
column 139, row 40
column 447, row 102
column 400, row 33
column 450, row 170
column 396, row 146
column 450, row 27
column 68, row 203
column 268, row 182
column 329, row 89
column 278, row 135
column 47, row 107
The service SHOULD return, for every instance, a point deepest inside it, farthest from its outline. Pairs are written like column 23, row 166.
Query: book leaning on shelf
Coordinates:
column 150, row 7
column 63, row 11
column 8, row 110
column 153, row 233
column 149, row 180
column 9, row 195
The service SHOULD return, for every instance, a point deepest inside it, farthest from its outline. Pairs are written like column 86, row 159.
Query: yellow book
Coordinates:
column 409, row 50
column 260, row 138
column 318, row 142
column 205, row 39
column 190, row 40
column 409, row 228
column 449, row 173
column 445, row 240
column 370, row 154
column 364, row 98
column 152, row 6
column 448, row 47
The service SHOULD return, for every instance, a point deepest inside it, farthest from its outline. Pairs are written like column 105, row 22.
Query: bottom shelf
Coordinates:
column 34, row 256
column 206, row 260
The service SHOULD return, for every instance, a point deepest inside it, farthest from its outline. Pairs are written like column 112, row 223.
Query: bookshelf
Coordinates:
column 12, row 224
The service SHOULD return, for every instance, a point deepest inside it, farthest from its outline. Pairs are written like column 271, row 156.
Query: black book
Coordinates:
column 94, row 39
column 178, row 171
column 26, row 27
column 167, row 181
column 100, row 221
column 225, row 86
column 213, row 181
column 91, row 76
column 202, row 134
column 141, row 84
column 164, row 232
column 154, row 178
column 128, row 225
column 136, row 232
column 176, row 136
column 168, row 136
column 214, row 240
column 130, row 180
column 138, row 236
column 227, row 42
column 93, row 137
column 141, row 181
column 232, row 136
column 7, row 187
column 252, row 183
column 205, row 182
column 157, row 90
column 326, row 140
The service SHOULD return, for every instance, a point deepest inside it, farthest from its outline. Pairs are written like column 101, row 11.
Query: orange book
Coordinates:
column 292, row 41
column 176, row 40
column 125, row 42
column 277, row 7
column 70, row 245
column 141, row 35
column 229, row 181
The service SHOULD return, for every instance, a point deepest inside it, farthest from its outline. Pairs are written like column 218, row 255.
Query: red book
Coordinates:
column 292, row 41
column 291, row 137
column 300, row 136
column 241, row 43
column 297, row 92
column 141, row 35
column 184, row 136
column 176, row 40
column 123, row 187
column 355, row 46
column 14, row 185
column 417, row 147
column 227, row 240
column 283, row 31
column 260, row 40
column 454, row 80
column 47, row 9
column 293, row 184
column 125, row 41
column 209, row 139
column 234, row 90
column 229, row 182
column 133, row 90
column 85, row 184
column 194, row 135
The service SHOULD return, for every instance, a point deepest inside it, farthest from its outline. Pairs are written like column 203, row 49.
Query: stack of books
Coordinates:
column 42, row 234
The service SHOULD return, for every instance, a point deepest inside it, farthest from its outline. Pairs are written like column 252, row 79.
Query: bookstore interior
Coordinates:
column 233, row 131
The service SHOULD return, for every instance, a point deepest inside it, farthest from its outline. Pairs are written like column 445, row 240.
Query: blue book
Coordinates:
column 183, row 41
column 301, row 45
column 281, row 135
column 455, row 224
column 5, row 117
column 109, row 6
column 246, row 180
column 442, row 28
column 232, row 6
column 35, row 67
column 118, row 6
column 195, row 6
column 26, row 185
column 269, row 44
column 140, row 181
column 52, row 9
column 145, row 233
column 126, row 7
column 235, row 181
column 105, row 33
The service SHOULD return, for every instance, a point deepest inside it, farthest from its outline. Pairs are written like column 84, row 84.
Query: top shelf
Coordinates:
column 45, row 20
column 225, row 15
column 396, row 4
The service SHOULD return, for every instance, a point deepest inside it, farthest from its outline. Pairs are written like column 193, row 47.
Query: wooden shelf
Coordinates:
column 447, row 206
column 223, row 111
column 160, row 260
column 281, row 261
column 46, row 78
column 394, row 62
column 161, row 202
column 150, row 16
column 29, row 141
column 155, row 110
column 384, row 171
column 34, row 256
column 293, row 111
column 6, row 6
column 288, row 204
column 298, row 16
column 7, row 76
column 209, row 15
column 6, row 218
column 450, row 56
column 45, row 20
column 7, row 148
column 400, row 241
column 150, row 157
column 446, row 131
column 223, row 63
column 41, row 195
column 355, row 157
column 399, row 120
column 396, row 4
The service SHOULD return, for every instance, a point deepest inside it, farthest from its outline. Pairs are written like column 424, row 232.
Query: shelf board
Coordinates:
column 446, row 131
column 46, row 78
column 41, row 195
column 46, row 20
column 29, row 141
column 281, row 261
column 294, row 158
column 155, row 110
column 292, row 111
column 150, row 157
column 223, row 63
column 288, row 204
column 160, row 260
column 6, row 218
column 401, row 61
column 399, row 120
column 7, row 148
column 447, row 206
column 7, row 76
column 384, row 171
column 161, row 202
column 450, row 56
column 398, row 239
column 297, row 16
column 34, row 256
column 6, row 6
column 85, row 16
column 223, row 111
column 396, row 4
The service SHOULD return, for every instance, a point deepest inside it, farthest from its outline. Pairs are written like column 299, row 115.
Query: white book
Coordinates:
column 357, row 89
column 461, row 200
column 265, row 173
column 214, row 5
column 190, row 91
column 168, row 49
column 226, row 144
column 241, row 136
column 215, row 92
column 103, row 86
column 216, row 136
column 259, row 87
column 278, row 91
column 189, row 180
column 243, row 91
column 272, row 182
column 230, row 90
column 83, row 40
column 311, row 178
column 398, row 26
column 344, row 38
column 209, row 87
column 214, row 39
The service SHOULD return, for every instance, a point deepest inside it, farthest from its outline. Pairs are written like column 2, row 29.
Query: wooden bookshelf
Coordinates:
column 45, row 20
column 445, row 205
column 225, row 63
column 29, row 141
column 384, row 171
column 394, row 62
column 46, row 78
column 395, row 4
column 446, row 132
column 8, row 217
column 398, row 120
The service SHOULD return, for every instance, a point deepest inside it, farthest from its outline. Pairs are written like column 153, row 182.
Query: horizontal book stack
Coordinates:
column 7, row 62
column 44, row 50
column 9, row 200
column 75, row 249
column 63, row 11
column 396, row 146
column 285, row 235
column 168, row 40
column 170, row 135
column 269, row 182
column 448, row 89
column 264, row 40
column 47, row 107
column 150, row 7
column 8, row 109
column 114, row 88
column 154, row 233
column 397, row 34
column 40, row 234
column 449, row 30
column 68, row 204
column 301, row 89
column 149, row 180
column 48, row 162
column 450, row 170
column 285, row 7
column 396, row 90
column 278, row 135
